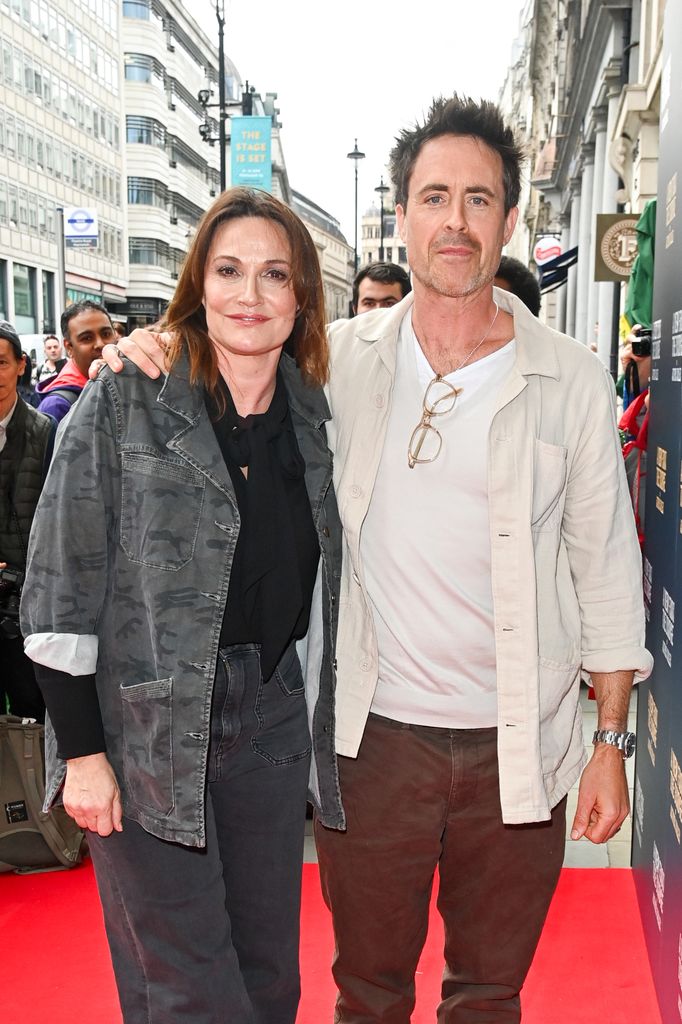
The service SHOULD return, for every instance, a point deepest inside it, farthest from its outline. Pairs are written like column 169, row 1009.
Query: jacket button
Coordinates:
column 325, row 531
column 355, row 491
column 379, row 401
column 356, row 578
column 365, row 665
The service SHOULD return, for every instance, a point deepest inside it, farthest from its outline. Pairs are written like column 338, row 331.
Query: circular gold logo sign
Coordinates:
column 619, row 247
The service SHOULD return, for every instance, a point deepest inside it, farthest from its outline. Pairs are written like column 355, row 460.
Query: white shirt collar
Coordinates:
column 8, row 417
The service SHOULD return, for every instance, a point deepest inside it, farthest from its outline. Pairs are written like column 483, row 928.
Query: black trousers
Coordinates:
column 211, row 935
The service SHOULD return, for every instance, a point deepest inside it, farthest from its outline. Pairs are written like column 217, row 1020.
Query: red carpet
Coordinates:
column 54, row 966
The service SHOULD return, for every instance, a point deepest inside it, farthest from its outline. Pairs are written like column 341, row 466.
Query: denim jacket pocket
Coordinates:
column 161, row 504
column 549, row 478
column 148, row 744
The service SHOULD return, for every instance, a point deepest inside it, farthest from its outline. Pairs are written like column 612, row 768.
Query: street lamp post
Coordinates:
column 204, row 97
column 220, row 15
column 382, row 190
column 356, row 156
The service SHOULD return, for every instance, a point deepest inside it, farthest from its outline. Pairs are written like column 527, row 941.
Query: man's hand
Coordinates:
column 144, row 348
column 603, row 799
column 91, row 794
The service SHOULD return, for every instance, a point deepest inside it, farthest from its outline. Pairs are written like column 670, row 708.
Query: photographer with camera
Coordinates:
column 636, row 362
column 634, row 423
column 26, row 438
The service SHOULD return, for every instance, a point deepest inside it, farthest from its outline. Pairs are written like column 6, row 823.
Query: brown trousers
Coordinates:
column 419, row 798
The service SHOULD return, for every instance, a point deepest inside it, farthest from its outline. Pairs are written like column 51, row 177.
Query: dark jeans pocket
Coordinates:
column 148, row 744
column 283, row 735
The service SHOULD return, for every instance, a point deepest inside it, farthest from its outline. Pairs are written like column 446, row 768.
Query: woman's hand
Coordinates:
column 91, row 794
column 144, row 348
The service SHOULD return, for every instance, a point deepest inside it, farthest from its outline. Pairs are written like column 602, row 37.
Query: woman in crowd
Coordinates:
column 164, row 627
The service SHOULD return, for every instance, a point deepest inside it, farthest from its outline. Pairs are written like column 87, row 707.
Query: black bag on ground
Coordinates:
column 30, row 839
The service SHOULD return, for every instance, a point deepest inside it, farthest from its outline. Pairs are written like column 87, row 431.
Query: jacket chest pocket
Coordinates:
column 549, row 480
column 161, row 504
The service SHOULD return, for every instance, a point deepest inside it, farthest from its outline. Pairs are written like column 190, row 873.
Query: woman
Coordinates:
column 164, row 627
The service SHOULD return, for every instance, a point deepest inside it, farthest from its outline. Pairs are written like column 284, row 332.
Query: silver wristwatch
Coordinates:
column 625, row 741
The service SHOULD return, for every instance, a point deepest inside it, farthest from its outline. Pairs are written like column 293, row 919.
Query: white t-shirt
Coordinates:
column 425, row 549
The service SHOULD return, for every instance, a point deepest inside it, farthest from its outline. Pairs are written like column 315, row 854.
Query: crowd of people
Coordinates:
column 362, row 565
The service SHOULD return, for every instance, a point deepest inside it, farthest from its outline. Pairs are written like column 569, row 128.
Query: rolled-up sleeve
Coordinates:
column 601, row 541
column 66, row 575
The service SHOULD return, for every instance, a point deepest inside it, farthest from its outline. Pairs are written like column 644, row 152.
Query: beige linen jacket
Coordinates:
column 566, row 564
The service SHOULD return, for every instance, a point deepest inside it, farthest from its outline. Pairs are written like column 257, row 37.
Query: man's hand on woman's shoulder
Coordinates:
column 146, row 349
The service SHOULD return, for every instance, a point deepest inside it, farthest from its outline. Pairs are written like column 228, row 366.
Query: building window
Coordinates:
column 145, row 131
column 3, row 290
column 149, row 252
column 140, row 67
column 137, row 9
column 147, row 192
column 48, row 302
column 389, row 255
column 402, row 254
column 25, row 317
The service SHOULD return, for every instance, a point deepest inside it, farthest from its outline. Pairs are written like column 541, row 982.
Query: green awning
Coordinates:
column 641, row 287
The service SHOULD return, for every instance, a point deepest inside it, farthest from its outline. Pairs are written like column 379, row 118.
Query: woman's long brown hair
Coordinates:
column 185, row 317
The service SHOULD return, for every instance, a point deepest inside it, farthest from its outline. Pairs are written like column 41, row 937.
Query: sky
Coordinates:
column 360, row 69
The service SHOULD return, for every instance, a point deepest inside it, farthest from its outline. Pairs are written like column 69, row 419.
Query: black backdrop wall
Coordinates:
column 657, row 814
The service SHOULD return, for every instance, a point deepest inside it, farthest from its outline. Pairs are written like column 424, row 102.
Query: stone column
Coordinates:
column 560, row 321
column 583, row 275
column 599, row 118
column 609, row 204
column 573, row 234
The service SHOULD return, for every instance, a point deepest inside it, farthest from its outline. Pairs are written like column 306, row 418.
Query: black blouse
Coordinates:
column 277, row 552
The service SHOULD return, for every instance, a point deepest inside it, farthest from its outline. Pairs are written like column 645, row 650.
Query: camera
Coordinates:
column 11, row 582
column 641, row 345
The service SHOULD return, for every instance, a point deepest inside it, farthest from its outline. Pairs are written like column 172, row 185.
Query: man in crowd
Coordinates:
column 86, row 329
column 379, row 286
column 54, row 360
column 515, row 277
column 25, row 447
column 490, row 555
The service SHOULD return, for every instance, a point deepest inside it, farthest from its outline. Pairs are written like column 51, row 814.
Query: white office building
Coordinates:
column 61, row 122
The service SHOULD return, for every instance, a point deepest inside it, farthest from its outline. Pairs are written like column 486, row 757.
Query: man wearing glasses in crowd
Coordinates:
column 490, row 557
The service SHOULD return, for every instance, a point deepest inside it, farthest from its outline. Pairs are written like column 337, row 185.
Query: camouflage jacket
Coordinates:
column 130, row 557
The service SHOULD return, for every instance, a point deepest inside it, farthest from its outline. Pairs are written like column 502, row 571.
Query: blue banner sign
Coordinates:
column 250, row 148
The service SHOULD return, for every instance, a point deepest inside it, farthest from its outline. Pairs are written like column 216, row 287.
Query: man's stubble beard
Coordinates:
column 441, row 284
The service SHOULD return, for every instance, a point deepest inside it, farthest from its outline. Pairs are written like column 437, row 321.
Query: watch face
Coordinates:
column 630, row 744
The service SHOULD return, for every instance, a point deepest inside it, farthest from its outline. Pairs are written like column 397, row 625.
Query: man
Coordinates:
column 379, row 286
column 25, row 446
column 54, row 361
column 486, row 529
column 514, row 277
column 86, row 329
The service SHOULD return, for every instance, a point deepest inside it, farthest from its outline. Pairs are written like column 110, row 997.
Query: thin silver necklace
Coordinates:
column 476, row 347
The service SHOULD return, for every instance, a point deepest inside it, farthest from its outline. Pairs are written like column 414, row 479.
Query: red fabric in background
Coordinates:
column 55, row 969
